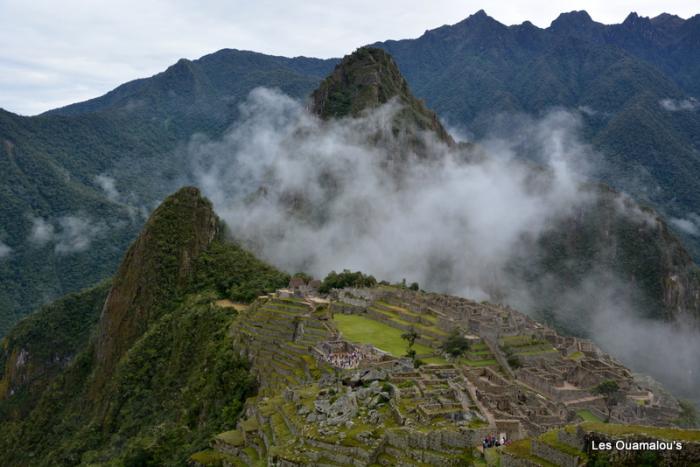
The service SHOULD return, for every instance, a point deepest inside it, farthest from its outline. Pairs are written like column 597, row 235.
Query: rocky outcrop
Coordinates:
column 45, row 343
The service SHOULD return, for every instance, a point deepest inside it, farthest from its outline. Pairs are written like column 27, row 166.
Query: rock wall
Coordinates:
column 556, row 457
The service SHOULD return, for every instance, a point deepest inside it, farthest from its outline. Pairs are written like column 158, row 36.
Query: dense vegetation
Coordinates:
column 346, row 278
column 179, row 379
column 468, row 72
column 366, row 79
column 134, row 134
column 455, row 344
column 236, row 274
column 50, row 338
column 478, row 71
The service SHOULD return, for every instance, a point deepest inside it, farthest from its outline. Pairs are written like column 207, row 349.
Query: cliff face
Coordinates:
column 44, row 344
column 615, row 235
column 156, row 269
column 367, row 79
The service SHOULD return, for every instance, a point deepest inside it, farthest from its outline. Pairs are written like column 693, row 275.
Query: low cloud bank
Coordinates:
column 68, row 234
column 675, row 105
column 315, row 196
column 5, row 250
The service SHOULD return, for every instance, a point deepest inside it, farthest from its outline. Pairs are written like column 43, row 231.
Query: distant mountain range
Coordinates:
column 50, row 166
column 76, row 182
column 635, row 84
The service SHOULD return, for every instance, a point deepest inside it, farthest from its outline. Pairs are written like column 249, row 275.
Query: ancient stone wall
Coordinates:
column 556, row 457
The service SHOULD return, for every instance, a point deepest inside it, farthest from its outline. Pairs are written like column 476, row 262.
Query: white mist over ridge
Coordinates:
column 357, row 213
column 315, row 196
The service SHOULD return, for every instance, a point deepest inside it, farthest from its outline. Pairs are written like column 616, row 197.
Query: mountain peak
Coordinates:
column 634, row 19
column 479, row 15
column 576, row 18
column 667, row 22
column 154, row 271
column 366, row 79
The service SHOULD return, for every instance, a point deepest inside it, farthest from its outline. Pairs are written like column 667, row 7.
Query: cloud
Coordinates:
column 42, row 232
column 588, row 110
column 317, row 196
column 690, row 225
column 76, row 233
column 4, row 250
column 69, row 234
column 108, row 185
column 674, row 105
column 448, row 225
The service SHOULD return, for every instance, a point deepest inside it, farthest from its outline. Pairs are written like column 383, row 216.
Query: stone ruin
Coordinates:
column 331, row 387
column 344, row 355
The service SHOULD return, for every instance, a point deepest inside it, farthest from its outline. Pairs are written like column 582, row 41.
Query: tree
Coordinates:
column 689, row 414
column 414, row 286
column 346, row 278
column 455, row 344
column 410, row 336
column 612, row 395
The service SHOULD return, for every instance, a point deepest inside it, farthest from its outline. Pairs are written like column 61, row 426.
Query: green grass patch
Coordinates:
column 588, row 416
column 551, row 439
column 435, row 360
column 213, row 458
column 477, row 363
column 671, row 434
column 362, row 330
column 536, row 351
column 521, row 448
column 233, row 437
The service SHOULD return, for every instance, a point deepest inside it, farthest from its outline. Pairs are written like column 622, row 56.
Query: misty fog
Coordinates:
column 315, row 196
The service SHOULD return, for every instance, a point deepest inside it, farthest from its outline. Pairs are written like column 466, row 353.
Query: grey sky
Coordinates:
column 53, row 53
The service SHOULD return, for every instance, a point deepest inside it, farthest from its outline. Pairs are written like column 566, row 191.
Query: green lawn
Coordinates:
column 466, row 361
column 588, row 416
column 674, row 434
column 361, row 330
column 435, row 360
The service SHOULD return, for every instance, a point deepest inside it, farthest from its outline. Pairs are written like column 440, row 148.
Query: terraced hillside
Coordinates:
column 342, row 383
column 572, row 446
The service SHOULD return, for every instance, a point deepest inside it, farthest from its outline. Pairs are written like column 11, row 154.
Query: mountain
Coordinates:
column 634, row 85
column 76, row 182
column 188, row 357
column 150, row 351
column 613, row 234
column 196, row 352
column 367, row 79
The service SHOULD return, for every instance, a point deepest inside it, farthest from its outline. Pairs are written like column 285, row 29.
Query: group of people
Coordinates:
column 345, row 360
column 492, row 441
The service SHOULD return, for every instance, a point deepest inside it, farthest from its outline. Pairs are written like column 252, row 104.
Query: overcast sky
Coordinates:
column 56, row 52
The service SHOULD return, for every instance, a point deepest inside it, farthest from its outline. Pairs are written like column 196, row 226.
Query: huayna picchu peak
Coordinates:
column 366, row 79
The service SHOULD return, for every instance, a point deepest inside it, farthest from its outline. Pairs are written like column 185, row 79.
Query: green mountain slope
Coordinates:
column 617, row 75
column 154, row 374
column 50, row 163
